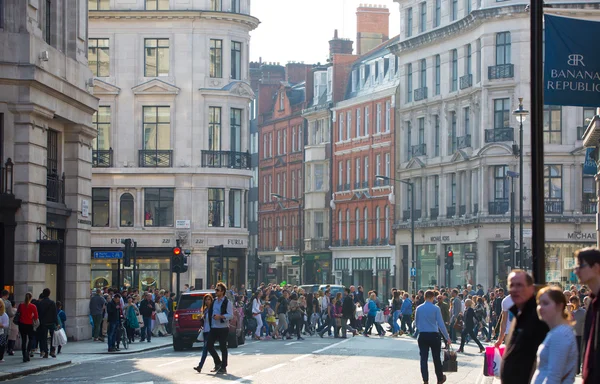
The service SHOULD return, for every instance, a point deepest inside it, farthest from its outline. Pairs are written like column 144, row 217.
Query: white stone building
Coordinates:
column 45, row 141
column 464, row 64
column 171, row 161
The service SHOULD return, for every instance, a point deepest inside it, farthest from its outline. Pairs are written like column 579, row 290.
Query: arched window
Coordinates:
column 278, row 232
column 286, row 233
column 269, row 235
column 348, row 226
column 357, row 223
column 340, row 226
column 366, row 229
column 377, row 223
column 387, row 222
column 126, row 210
column 265, row 238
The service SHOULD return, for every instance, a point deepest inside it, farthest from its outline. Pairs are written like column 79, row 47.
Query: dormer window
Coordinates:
column 354, row 80
column 281, row 99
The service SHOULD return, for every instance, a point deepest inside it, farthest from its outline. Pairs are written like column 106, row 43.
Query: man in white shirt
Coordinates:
column 507, row 316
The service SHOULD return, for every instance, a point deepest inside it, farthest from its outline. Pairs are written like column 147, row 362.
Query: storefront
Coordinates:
column 372, row 273
column 464, row 256
column 317, row 268
column 232, row 260
column 427, row 269
column 560, row 262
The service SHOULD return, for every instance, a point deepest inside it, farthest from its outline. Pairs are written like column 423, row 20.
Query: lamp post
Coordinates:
column 521, row 115
column 412, row 220
column 512, row 175
column 300, row 241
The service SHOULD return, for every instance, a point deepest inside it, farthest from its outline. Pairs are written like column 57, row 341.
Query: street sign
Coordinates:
column 413, row 271
column 527, row 233
column 108, row 255
column 182, row 224
column 295, row 260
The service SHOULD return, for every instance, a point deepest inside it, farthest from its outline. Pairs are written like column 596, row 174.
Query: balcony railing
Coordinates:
column 156, row 158
column 475, row 209
column 365, row 184
column 55, row 188
column 499, row 134
column 502, row 71
column 420, row 94
column 356, row 184
column 466, row 81
column 337, row 243
column 498, row 207
column 226, row 159
column 347, row 187
column 580, row 132
column 451, row 211
column 379, row 182
column 462, row 210
column 419, row 150
column 553, row 206
column 319, row 244
column 406, row 215
column 339, row 188
column 464, row 141
column 102, row 158
column 417, row 214
column 6, row 177
column 345, row 243
column 589, row 207
column 434, row 213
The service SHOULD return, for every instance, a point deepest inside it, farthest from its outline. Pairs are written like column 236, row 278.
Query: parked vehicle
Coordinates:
column 187, row 320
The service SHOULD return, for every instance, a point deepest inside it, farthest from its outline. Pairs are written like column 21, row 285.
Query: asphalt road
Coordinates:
column 315, row 360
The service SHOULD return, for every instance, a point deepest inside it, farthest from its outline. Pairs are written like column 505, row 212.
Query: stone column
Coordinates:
column 78, row 187
column 114, row 219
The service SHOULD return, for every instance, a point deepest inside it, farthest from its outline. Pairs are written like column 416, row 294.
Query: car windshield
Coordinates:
column 190, row 302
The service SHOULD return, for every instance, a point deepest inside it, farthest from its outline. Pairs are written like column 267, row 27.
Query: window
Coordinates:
column 348, row 125
column 409, row 22
column 356, row 224
column 347, row 224
column 423, row 21
column 236, row 60
column 501, row 113
column 340, row 225
column 501, row 186
column 100, row 207
column 278, row 143
column 378, row 165
column 281, row 101
column 468, row 6
column 235, row 208
column 436, row 135
column 340, row 175
column 235, row 129
column 52, row 172
column 367, row 121
column 293, row 139
column 468, row 61
column 300, row 138
column 319, row 177
column 454, row 68
column 341, row 127
column 157, row 5
column 319, row 227
column 366, row 170
column 215, row 5
column 293, row 184
column 423, row 73
column 101, row 121
column 156, row 59
column 388, row 106
column 552, row 124
column 98, row 5
column 436, row 191
column 235, row 6
column 387, row 222
column 388, row 165
column 366, row 223
column 553, row 181
column 284, row 141
column 265, row 148
column 409, row 84
column 378, row 119
column 157, row 128
column 98, row 57
column 348, row 172
column 588, row 115
column 421, row 137
column 478, row 60
column 357, row 170
column 358, row 121
column 467, row 113
column 452, row 132
column 216, row 207
column 453, row 189
column 377, row 222
column 216, row 58
column 158, row 207
column 278, row 183
column 214, row 129
column 454, row 10
column 438, row 74
column 503, row 48
column 408, row 140
column 126, row 210
column 48, row 22
column 437, row 19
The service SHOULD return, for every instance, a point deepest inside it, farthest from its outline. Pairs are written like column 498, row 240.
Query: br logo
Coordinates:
column 575, row 60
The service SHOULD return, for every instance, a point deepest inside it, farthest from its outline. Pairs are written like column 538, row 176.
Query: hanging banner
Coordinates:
column 589, row 166
column 572, row 62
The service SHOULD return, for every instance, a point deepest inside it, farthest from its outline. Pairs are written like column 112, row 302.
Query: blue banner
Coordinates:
column 572, row 62
column 589, row 166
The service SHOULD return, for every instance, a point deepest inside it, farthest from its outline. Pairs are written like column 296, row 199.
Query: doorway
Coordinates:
column 51, row 279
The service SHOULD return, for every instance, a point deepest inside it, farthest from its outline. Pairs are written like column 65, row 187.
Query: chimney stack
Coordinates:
column 337, row 45
column 372, row 26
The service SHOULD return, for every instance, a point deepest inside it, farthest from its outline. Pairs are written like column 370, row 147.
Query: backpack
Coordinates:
column 366, row 308
column 248, row 309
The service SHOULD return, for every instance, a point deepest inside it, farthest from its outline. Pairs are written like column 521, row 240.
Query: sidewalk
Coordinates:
column 13, row 366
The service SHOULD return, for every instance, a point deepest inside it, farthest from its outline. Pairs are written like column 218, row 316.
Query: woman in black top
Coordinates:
column 469, row 326
column 396, row 312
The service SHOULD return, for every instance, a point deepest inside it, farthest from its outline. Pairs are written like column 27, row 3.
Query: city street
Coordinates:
column 315, row 360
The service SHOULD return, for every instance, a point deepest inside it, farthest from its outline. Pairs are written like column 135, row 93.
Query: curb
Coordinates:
column 14, row 375
column 128, row 352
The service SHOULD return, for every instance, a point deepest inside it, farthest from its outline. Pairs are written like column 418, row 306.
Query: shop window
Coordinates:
column 235, row 208
column 552, row 124
column 216, row 207
column 156, row 57
column 126, row 210
column 100, row 207
column 158, row 207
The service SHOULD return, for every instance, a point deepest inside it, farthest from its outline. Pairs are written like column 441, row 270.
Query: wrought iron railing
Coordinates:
column 464, row 141
column 502, row 71
column 434, row 213
column 102, row 158
column 420, row 94
column 451, row 211
column 475, row 208
column 156, row 158
column 55, row 188
column 6, row 177
column 226, row 159
column 365, row 184
column 406, row 215
column 553, row 206
column 466, row 81
column 499, row 134
column 347, row 187
column 319, row 244
column 381, row 182
column 589, row 207
column 356, row 184
column 417, row 214
column 498, row 207
column 419, row 150
column 339, row 187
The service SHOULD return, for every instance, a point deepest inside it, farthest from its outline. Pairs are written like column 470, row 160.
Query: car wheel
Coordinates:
column 177, row 344
column 232, row 340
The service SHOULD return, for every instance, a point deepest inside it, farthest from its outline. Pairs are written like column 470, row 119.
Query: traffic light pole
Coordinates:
column 512, row 221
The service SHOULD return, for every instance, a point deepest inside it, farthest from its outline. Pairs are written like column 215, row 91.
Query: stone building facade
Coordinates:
column 172, row 156
column 46, row 136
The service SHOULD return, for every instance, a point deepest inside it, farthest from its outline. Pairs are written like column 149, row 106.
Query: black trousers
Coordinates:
column 463, row 337
column 220, row 335
column 26, row 331
column 427, row 341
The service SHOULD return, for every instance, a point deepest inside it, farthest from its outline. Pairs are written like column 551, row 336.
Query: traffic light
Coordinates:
column 176, row 260
column 450, row 260
column 186, row 255
column 126, row 252
column 507, row 253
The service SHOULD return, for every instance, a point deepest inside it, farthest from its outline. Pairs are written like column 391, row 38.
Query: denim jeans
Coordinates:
column 146, row 331
column 112, row 333
column 204, row 349
column 427, row 341
column 370, row 322
column 395, row 324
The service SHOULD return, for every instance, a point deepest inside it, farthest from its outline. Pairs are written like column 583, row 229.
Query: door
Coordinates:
column 51, row 278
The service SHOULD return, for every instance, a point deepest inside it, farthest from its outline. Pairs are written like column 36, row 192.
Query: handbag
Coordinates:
column 162, row 318
column 338, row 322
column 17, row 318
column 458, row 323
column 380, row 317
column 294, row 315
column 200, row 337
column 449, row 364
column 140, row 320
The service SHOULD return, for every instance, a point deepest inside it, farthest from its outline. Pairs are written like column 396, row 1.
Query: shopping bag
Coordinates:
column 493, row 360
column 380, row 317
column 140, row 319
column 59, row 338
column 449, row 364
column 200, row 337
column 162, row 317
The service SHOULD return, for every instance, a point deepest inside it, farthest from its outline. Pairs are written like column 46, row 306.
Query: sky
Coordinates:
column 300, row 30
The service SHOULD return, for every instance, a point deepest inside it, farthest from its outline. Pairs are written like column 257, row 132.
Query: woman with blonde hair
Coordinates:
column 557, row 355
column 4, row 327
column 159, row 307
column 27, row 313
column 469, row 326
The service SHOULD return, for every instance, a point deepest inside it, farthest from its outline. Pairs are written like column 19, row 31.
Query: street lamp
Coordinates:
column 412, row 219
column 521, row 115
column 300, row 241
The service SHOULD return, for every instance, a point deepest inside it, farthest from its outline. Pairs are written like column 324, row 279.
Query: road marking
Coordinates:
column 171, row 362
column 273, row 368
column 298, row 358
column 331, row 346
column 245, row 378
column 120, row 374
column 293, row 342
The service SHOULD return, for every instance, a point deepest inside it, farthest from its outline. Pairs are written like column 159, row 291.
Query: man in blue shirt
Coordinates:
column 220, row 313
column 406, row 310
column 429, row 321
